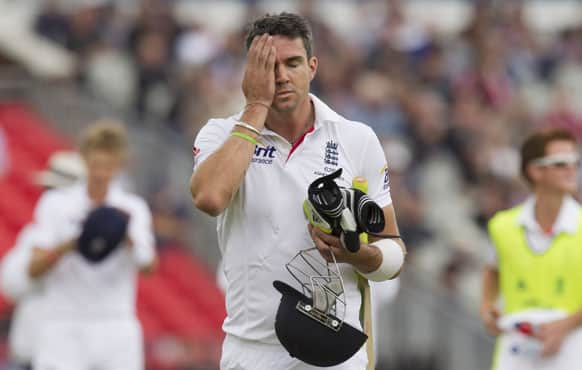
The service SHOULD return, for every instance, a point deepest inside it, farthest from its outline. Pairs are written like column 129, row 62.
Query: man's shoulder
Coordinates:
column 506, row 217
column 329, row 117
column 353, row 131
column 222, row 122
column 216, row 129
column 59, row 194
column 130, row 201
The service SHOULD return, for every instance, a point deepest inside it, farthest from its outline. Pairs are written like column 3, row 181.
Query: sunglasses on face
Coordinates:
column 561, row 160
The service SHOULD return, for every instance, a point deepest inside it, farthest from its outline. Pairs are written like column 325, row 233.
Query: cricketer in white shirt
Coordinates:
column 264, row 226
column 89, row 309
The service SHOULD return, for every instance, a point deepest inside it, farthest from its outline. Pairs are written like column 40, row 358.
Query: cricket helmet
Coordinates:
column 310, row 325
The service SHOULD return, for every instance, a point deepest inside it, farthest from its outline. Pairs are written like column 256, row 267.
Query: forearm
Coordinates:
column 43, row 260
column 368, row 258
column 390, row 228
column 381, row 260
column 375, row 256
column 398, row 241
column 218, row 178
column 14, row 279
column 490, row 286
column 575, row 320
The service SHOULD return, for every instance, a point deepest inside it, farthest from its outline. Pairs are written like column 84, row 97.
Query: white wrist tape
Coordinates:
column 392, row 260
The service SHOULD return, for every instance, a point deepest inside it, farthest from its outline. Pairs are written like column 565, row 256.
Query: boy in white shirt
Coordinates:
column 90, row 318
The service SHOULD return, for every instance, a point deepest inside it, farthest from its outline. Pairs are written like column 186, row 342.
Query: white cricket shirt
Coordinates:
column 75, row 288
column 14, row 279
column 264, row 226
column 26, row 293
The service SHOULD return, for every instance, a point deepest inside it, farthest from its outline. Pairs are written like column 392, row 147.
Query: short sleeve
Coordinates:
column 47, row 220
column 141, row 235
column 14, row 279
column 491, row 257
column 375, row 170
column 209, row 139
column 44, row 209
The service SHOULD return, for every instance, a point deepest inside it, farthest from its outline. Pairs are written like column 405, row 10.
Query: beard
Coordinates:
column 286, row 104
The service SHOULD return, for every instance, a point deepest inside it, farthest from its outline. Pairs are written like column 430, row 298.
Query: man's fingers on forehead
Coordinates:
column 272, row 57
column 267, row 45
column 254, row 42
column 259, row 49
column 260, row 38
column 256, row 49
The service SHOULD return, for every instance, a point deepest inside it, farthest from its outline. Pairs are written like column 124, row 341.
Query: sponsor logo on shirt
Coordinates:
column 264, row 154
column 386, row 177
column 331, row 156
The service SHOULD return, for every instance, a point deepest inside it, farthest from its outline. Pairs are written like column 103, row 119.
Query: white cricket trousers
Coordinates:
column 240, row 354
column 82, row 344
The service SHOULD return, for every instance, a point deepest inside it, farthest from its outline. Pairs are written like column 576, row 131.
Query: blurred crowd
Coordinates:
column 450, row 109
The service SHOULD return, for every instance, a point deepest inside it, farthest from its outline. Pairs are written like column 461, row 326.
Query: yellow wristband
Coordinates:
column 246, row 137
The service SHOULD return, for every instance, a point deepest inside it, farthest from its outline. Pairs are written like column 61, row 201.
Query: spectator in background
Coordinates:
column 376, row 103
column 156, row 97
column 80, row 27
column 53, row 24
column 64, row 168
column 196, row 46
column 537, row 266
column 89, row 316
column 155, row 16
column 170, row 218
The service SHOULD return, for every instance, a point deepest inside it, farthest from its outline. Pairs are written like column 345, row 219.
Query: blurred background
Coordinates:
column 451, row 87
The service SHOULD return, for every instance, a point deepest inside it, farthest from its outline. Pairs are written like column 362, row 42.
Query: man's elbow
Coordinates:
column 209, row 202
column 208, row 198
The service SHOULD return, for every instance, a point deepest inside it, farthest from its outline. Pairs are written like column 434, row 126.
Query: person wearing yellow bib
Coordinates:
column 532, row 295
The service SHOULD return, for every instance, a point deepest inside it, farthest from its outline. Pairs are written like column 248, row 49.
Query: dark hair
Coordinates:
column 284, row 24
column 535, row 146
